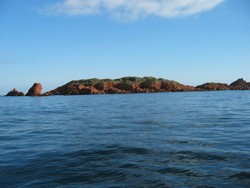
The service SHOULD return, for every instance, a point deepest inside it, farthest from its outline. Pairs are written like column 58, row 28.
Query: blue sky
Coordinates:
column 190, row 41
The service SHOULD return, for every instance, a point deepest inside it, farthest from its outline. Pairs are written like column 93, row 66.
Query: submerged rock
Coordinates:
column 35, row 90
column 14, row 92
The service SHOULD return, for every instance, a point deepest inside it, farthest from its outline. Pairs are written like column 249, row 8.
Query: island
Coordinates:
column 128, row 85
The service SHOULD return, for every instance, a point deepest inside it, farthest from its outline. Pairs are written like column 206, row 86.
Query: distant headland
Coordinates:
column 128, row 85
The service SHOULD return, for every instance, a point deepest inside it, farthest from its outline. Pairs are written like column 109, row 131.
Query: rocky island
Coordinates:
column 128, row 85
column 14, row 92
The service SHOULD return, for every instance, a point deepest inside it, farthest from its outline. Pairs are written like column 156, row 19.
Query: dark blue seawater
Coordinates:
column 195, row 139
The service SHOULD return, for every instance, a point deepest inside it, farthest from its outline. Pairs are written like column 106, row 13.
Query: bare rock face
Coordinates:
column 138, row 85
column 239, row 84
column 35, row 90
column 173, row 86
column 14, row 92
column 119, row 86
column 212, row 86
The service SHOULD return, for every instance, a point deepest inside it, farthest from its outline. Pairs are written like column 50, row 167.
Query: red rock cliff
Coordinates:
column 35, row 90
column 121, row 85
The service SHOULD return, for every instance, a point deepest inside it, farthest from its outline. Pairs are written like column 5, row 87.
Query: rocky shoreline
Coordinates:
column 128, row 85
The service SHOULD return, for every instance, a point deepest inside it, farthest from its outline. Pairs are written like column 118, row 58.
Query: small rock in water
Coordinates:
column 14, row 92
column 35, row 90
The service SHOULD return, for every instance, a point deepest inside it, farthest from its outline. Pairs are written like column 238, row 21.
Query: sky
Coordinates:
column 56, row 41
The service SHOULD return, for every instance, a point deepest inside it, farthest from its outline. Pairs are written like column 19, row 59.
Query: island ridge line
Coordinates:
column 128, row 85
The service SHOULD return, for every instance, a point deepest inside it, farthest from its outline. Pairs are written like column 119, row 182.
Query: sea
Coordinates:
column 183, row 139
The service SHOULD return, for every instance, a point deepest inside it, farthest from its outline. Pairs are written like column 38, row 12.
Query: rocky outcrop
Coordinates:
column 128, row 85
column 14, row 92
column 35, row 90
column 121, row 85
column 240, row 84
column 212, row 87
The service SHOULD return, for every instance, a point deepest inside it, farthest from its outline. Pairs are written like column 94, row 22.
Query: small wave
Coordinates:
column 242, row 176
column 198, row 155
column 134, row 150
column 178, row 171
column 129, row 166
column 148, row 122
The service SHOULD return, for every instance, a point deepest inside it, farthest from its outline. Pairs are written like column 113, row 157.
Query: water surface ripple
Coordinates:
column 195, row 139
